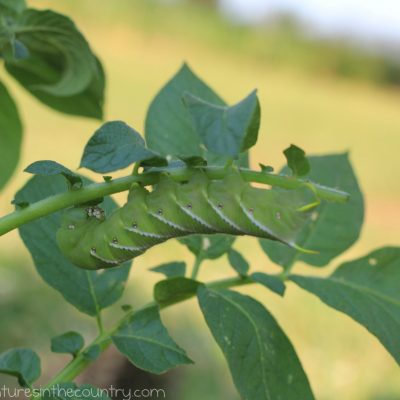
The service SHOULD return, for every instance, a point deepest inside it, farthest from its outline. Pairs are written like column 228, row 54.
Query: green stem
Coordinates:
column 80, row 363
column 99, row 321
column 97, row 190
column 196, row 266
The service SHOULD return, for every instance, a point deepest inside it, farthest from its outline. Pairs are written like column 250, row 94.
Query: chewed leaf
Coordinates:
column 297, row 160
column 114, row 146
column 49, row 168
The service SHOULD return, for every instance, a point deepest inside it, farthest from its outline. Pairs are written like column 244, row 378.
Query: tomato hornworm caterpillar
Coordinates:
column 174, row 209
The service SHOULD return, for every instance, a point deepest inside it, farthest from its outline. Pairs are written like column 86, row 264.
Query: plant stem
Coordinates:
column 196, row 266
column 97, row 190
column 80, row 363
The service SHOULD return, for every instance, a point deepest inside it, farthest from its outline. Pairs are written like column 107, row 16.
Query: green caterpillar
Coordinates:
column 174, row 209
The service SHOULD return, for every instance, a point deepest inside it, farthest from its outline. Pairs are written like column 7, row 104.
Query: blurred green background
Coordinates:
column 323, row 95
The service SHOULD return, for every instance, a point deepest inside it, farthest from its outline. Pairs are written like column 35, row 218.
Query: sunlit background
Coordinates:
column 328, row 75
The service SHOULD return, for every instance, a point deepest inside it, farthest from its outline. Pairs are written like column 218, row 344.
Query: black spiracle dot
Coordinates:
column 251, row 210
column 115, row 240
column 189, row 206
column 160, row 211
column 93, row 249
column 220, row 205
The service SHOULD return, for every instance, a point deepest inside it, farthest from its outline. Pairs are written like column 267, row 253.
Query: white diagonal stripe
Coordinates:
column 224, row 217
column 170, row 223
column 197, row 218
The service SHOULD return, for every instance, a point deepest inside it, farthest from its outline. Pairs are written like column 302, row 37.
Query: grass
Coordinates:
column 316, row 112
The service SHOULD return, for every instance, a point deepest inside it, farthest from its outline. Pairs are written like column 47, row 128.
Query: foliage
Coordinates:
column 47, row 54
column 189, row 129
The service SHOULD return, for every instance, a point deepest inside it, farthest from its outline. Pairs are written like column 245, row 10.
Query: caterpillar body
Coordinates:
column 174, row 209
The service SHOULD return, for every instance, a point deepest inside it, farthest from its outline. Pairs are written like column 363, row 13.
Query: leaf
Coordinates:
column 115, row 145
column 266, row 168
column 16, row 6
column 20, row 51
column 271, row 282
column 10, row 135
column 195, row 161
column 238, row 262
column 297, row 160
column 146, row 343
column 333, row 227
column 210, row 247
column 50, row 168
column 171, row 269
column 88, row 291
column 40, row 68
column 368, row 290
column 173, row 290
column 262, row 361
column 69, row 342
column 92, row 353
column 22, row 363
column 55, row 37
column 225, row 130
column 168, row 127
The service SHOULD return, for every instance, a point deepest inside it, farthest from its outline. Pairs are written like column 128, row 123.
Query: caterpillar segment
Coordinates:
column 173, row 209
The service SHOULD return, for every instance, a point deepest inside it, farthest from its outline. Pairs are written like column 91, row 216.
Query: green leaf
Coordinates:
column 49, row 168
column 209, row 247
column 262, row 361
column 92, row 353
column 69, row 342
column 54, row 37
column 16, row 6
column 266, row 168
column 225, row 130
column 171, row 269
column 61, row 70
column 146, row 343
column 368, row 290
column 195, row 161
column 297, row 160
column 10, row 135
column 238, row 262
column 115, row 145
column 22, row 363
column 168, row 128
column 271, row 282
column 333, row 227
column 173, row 290
column 88, row 103
column 20, row 51
column 88, row 291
